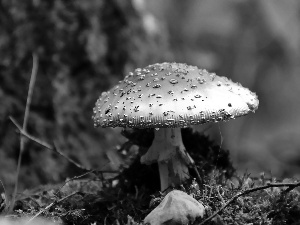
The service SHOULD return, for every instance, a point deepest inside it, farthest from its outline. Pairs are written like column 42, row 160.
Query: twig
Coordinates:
column 24, row 133
column 60, row 200
column 270, row 185
column 25, row 121
column 193, row 165
column 49, row 206
column 30, row 91
column 198, row 177
column 44, row 144
column 76, row 177
column 53, row 148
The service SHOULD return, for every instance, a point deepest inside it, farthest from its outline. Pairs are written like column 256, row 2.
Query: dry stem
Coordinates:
column 25, row 121
column 53, row 148
column 49, row 206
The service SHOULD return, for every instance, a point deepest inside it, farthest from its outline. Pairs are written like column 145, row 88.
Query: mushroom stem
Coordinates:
column 168, row 150
column 163, row 175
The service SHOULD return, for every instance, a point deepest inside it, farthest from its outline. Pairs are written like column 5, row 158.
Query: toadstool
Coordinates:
column 176, row 208
column 168, row 97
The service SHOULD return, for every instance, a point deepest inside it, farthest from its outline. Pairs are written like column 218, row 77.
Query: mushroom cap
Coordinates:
column 167, row 95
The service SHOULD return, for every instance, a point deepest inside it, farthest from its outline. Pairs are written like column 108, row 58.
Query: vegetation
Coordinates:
column 80, row 49
column 128, row 197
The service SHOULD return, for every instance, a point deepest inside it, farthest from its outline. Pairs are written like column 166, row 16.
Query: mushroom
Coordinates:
column 176, row 208
column 168, row 97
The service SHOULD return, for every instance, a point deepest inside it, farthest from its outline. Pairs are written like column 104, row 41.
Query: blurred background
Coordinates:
column 85, row 47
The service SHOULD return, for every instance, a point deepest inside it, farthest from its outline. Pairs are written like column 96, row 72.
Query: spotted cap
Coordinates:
column 172, row 95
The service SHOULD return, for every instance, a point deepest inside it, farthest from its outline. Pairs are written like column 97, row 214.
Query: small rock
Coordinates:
column 177, row 208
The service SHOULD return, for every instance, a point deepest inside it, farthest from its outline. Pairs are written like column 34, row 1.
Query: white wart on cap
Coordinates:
column 169, row 95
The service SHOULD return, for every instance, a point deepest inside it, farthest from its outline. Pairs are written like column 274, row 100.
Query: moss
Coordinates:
column 285, row 209
column 129, row 197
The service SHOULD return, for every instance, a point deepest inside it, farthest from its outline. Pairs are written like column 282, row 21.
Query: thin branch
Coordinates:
column 30, row 90
column 270, row 185
column 53, row 148
column 25, row 121
column 76, row 177
column 44, row 144
column 49, row 206
column 60, row 200
column 24, row 133
column 193, row 165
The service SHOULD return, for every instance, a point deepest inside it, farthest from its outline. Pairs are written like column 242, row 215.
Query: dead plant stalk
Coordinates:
column 25, row 122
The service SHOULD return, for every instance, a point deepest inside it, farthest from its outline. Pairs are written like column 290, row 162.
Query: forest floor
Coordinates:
column 127, row 197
